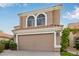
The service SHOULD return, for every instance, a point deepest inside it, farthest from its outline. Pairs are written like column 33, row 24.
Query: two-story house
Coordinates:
column 39, row 30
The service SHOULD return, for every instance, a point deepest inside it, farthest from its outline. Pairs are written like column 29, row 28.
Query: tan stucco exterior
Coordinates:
column 39, row 38
column 53, row 16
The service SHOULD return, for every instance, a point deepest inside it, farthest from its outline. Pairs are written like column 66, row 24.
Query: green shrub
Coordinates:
column 1, row 47
column 65, row 39
column 10, row 44
column 62, row 49
column 2, row 41
column 13, row 45
column 7, row 44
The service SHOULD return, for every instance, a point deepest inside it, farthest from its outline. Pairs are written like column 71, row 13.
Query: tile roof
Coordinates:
column 4, row 35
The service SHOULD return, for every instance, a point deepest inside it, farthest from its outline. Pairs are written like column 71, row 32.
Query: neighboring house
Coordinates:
column 4, row 36
column 73, row 35
column 39, row 30
column 74, row 25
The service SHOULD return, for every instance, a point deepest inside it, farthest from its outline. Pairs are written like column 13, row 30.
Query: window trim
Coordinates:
column 35, row 18
column 27, row 20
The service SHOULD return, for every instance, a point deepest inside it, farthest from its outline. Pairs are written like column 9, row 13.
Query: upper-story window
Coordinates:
column 41, row 19
column 31, row 21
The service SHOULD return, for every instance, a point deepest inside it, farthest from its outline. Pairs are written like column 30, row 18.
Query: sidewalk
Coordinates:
column 28, row 53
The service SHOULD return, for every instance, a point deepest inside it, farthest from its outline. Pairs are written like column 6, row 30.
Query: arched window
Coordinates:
column 31, row 21
column 41, row 19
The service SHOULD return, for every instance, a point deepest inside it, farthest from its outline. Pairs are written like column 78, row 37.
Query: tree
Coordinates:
column 65, row 39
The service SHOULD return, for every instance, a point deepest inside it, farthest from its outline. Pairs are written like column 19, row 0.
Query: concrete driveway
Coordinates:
column 28, row 53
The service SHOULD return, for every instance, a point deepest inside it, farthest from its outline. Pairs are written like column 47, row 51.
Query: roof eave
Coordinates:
column 57, row 7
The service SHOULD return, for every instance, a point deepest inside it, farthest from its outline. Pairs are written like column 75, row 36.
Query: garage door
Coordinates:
column 41, row 42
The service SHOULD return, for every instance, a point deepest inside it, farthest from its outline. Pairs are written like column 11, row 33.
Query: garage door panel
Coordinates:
column 42, row 42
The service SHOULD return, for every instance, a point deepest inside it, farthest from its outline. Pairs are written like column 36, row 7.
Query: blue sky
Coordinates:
column 9, row 18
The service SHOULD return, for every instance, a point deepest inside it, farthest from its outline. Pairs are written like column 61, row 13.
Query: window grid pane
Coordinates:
column 41, row 20
column 31, row 21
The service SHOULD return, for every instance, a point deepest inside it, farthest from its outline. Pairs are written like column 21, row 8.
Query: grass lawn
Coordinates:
column 67, row 54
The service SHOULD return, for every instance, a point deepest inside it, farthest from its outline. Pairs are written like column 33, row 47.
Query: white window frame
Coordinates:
column 45, row 17
column 35, row 18
column 27, row 20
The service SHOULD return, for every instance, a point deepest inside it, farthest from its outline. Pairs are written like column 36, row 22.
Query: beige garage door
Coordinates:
column 42, row 42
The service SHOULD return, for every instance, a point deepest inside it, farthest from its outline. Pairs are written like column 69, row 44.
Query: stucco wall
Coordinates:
column 53, row 17
column 56, row 17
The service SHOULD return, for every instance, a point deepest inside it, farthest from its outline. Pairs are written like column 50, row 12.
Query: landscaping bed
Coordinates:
column 67, row 54
column 10, row 44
